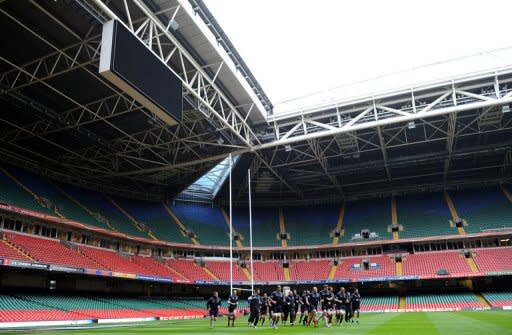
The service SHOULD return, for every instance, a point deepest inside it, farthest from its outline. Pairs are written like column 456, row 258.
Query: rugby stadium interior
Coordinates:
column 116, row 203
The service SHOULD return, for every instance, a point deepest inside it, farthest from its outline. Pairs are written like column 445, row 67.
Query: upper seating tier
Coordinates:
column 483, row 208
column 419, row 215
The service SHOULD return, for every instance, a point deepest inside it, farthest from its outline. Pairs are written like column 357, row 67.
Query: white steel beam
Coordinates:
column 428, row 112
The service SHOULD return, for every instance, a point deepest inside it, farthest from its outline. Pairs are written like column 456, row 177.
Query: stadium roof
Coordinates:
column 62, row 119
column 415, row 78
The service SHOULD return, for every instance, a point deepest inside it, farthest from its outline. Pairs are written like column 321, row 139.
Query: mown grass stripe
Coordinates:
column 438, row 323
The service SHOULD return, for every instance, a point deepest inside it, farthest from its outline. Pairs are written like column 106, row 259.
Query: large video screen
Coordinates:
column 131, row 66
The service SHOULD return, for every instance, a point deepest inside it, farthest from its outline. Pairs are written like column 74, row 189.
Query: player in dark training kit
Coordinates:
column 312, row 301
column 232, row 305
column 286, row 309
column 290, row 308
column 276, row 306
column 303, row 308
column 355, row 300
column 293, row 317
column 340, row 301
column 255, row 301
column 330, row 305
column 326, row 297
column 264, row 308
column 348, row 308
column 213, row 305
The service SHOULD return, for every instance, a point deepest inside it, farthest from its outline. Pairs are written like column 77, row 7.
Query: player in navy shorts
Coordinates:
column 213, row 305
column 232, row 305
column 276, row 304
column 313, row 301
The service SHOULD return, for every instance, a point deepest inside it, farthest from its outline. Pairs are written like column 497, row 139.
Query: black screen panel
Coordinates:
column 135, row 65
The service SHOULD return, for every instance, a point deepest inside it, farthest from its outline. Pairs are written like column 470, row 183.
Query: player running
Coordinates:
column 348, row 308
column 303, row 307
column 232, row 305
column 293, row 316
column 213, row 305
column 312, row 301
column 340, row 300
column 289, row 303
column 276, row 304
column 355, row 300
column 264, row 306
column 254, row 307
column 324, row 301
column 330, row 305
column 286, row 309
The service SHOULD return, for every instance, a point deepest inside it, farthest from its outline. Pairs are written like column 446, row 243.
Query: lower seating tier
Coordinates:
column 22, row 307
column 498, row 299
column 379, row 303
column 17, row 308
column 431, row 301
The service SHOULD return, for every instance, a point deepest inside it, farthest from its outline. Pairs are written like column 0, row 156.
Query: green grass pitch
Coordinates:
column 467, row 323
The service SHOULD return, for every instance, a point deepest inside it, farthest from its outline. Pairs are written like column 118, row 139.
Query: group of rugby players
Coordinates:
column 343, row 305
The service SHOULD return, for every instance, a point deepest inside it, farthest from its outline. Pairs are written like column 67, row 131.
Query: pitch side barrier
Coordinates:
column 307, row 282
column 85, row 324
column 348, row 280
column 161, row 279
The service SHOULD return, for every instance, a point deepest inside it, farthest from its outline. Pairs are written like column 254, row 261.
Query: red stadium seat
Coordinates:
column 429, row 263
column 493, row 259
column 52, row 251
column 315, row 269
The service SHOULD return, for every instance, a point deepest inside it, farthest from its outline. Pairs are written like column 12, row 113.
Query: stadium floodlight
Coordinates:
column 287, row 148
column 411, row 125
column 52, row 285
column 505, row 108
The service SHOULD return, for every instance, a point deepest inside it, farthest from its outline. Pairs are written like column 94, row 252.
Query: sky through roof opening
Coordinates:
column 208, row 185
column 299, row 49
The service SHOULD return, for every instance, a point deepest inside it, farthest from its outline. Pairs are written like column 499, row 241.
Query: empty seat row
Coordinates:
column 493, row 259
column 498, row 299
column 430, row 263
column 430, row 301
